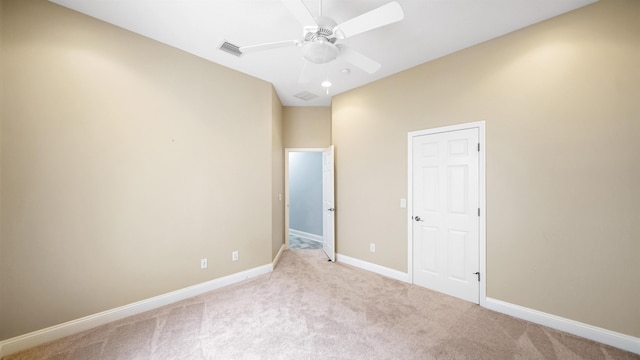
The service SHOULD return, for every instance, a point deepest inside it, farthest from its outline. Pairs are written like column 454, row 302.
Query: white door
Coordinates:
column 328, row 207
column 446, row 213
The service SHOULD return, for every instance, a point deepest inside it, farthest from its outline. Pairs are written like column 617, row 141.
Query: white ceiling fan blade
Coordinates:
column 297, row 8
column 384, row 15
column 358, row 59
column 268, row 46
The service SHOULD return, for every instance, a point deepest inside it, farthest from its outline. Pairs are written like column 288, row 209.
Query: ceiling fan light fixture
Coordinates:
column 320, row 51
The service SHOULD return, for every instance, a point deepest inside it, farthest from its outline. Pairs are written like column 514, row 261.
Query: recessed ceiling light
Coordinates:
column 346, row 71
column 326, row 83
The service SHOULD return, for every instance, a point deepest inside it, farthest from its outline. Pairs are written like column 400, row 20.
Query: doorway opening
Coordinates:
column 304, row 199
column 309, row 199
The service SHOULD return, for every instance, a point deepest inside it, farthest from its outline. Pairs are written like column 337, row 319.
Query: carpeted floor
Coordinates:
column 309, row 308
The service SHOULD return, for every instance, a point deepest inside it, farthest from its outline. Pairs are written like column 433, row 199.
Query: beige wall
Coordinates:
column 277, row 191
column 307, row 127
column 2, row 290
column 560, row 101
column 124, row 161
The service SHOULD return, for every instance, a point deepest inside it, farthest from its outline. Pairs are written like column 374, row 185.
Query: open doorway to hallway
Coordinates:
column 304, row 198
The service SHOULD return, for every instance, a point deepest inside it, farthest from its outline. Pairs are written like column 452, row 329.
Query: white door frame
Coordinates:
column 286, row 187
column 328, row 203
column 480, row 125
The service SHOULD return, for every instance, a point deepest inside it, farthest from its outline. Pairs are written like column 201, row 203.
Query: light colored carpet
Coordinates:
column 309, row 308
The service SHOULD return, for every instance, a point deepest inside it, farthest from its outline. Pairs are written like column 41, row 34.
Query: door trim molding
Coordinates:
column 480, row 125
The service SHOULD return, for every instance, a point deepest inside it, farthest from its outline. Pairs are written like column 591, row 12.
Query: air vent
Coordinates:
column 305, row 95
column 231, row 49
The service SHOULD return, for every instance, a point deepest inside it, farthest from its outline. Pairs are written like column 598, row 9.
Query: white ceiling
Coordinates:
column 430, row 29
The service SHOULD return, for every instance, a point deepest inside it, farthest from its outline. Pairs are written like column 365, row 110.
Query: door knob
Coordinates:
column 418, row 218
column 331, row 209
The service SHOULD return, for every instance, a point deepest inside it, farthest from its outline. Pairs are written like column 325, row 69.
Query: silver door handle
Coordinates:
column 417, row 218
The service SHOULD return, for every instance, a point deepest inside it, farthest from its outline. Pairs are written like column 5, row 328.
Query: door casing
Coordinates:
column 328, row 204
column 286, row 191
column 480, row 125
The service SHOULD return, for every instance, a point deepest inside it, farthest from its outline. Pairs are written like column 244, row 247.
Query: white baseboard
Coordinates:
column 55, row 332
column 618, row 340
column 375, row 268
column 306, row 235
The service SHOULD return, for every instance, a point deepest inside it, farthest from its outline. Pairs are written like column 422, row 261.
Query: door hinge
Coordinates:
column 478, row 146
column 478, row 211
column 477, row 273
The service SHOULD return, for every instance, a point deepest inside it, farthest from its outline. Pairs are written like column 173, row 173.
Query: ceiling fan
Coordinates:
column 321, row 34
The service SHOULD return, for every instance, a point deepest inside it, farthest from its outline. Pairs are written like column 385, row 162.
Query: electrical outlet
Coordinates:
column 234, row 256
column 203, row 263
column 372, row 247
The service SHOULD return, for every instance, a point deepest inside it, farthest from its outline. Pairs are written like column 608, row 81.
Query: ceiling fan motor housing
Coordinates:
column 319, row 45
